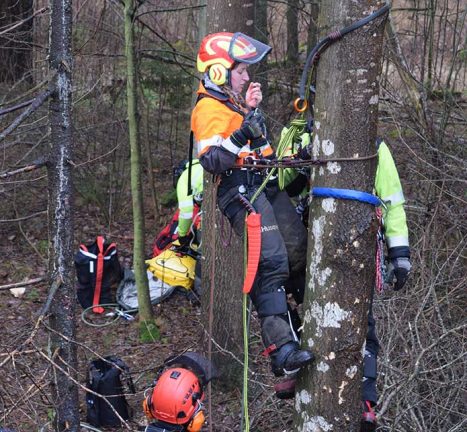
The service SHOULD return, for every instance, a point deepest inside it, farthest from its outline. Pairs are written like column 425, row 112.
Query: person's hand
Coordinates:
column 304, row 153
column 182, row 242
column 258, row 143
column 398, row 272
column 254, row 95
column 251, row 129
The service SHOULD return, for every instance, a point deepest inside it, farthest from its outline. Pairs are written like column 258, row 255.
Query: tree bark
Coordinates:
column 292, row 32
column 230, row 16
column 225, row 261
column 144, row 302
column 262, row 34
column 61, row 270
column 313, row 28
column 342, row 233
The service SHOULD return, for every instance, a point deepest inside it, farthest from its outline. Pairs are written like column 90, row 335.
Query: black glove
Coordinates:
column 183, row 241
column 251, row 128
column 305, row 153
column 258, row 143
column 399, row 267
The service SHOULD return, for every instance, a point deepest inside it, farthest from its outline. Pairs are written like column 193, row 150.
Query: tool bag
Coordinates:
column 173, row 268
column 97, row 268
column 105, row 378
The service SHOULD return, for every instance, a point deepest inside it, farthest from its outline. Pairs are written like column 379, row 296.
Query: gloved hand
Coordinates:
column 305, row 153
column 258, row 143
column 182, row 242
column 398, row 272
column 251, row 128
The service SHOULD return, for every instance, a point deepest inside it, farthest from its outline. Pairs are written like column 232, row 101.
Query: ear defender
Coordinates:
column 218, row 74
column 147, row 406
column 196, row 422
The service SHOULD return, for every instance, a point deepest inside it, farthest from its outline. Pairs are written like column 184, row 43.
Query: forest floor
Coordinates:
column 27, row 377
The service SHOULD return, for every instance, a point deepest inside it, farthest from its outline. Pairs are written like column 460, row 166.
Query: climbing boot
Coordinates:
column 368, row 422
column 289, row 358
column 286, row 388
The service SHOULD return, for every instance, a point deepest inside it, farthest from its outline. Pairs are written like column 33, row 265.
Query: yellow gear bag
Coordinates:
column 173, row 268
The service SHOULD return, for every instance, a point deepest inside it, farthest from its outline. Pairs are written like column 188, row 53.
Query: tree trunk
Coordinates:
column 148, row 329
column 292, row 32
column 262, row 34
column 230, row 16
column 224, row 262
column 313, row 27
column 15, row 45
column 342, row 233
column 61, row 270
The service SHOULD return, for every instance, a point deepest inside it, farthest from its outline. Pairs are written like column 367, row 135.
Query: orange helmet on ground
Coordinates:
column 175, row 397
column 220, row 51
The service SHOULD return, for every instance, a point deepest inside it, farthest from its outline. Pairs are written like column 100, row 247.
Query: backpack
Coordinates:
column 170, row 232
column 167, row 236
column 104, row 377
column 97, row 268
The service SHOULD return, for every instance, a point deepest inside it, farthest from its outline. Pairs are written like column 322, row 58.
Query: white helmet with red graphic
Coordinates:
column 220, row 51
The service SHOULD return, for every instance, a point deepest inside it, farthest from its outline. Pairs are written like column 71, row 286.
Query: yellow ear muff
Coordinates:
column 196, row 422
column 147, row 406
column 218, row 74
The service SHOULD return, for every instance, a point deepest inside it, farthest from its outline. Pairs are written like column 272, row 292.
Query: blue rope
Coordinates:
column 347, row 194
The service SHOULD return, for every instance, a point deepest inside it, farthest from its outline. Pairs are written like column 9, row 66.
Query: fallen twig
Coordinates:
column 22, row 284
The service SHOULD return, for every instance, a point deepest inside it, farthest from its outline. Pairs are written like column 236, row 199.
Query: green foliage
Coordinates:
column 148, row 332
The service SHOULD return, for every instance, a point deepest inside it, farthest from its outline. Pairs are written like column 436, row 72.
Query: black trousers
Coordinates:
column 283, row 253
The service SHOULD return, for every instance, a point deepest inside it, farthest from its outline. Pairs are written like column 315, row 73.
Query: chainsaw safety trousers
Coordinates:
column 282, row 258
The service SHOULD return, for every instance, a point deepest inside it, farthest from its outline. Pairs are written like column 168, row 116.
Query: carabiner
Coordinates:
column 303, row 107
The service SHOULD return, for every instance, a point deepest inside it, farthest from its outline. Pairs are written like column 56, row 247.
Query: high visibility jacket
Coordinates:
column 290, row 174
column 213, row 120
column 387, row 187
column 185, row 201
column 389, row 190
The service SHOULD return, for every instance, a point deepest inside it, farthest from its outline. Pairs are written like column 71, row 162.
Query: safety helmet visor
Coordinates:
column 245, row 49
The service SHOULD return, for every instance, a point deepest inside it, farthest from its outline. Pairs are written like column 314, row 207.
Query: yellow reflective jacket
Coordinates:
column 389, row 190
column 185, row 201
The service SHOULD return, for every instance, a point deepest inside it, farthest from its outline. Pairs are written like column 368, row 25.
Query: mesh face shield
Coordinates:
column 245, row 49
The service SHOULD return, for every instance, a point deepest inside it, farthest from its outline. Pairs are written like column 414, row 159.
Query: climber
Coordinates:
column 228, row 129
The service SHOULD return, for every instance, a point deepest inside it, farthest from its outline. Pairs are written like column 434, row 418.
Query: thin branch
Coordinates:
column 21, row 284
column 16, row 107
column 24, row 217
column 31, row 167
column 20, row 23
column 26, row 113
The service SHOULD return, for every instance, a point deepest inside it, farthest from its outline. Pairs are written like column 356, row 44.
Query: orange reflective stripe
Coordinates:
column 99, row 274
column 253, row 223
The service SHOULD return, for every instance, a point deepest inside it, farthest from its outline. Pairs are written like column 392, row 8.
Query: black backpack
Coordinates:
column 97, row 268
column 105, row 377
